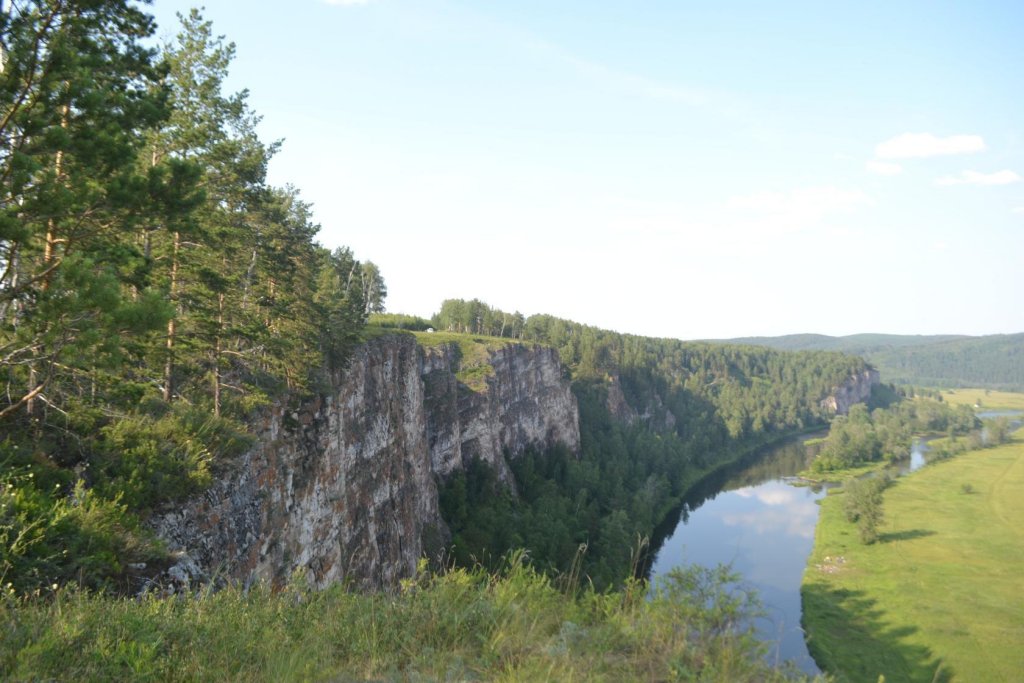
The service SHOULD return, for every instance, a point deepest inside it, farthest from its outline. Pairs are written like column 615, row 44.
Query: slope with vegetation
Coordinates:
column 155, row 290
column 655, row 415
column 992, row 361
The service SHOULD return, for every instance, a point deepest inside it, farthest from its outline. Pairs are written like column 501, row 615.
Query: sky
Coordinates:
column 673, row 169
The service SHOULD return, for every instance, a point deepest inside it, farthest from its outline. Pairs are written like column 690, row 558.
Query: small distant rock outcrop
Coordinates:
column 856, row 389
column 652, row 412
column 344, row 488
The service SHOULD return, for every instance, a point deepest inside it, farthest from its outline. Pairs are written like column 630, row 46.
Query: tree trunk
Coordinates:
column 172, row 324
column 216, row 354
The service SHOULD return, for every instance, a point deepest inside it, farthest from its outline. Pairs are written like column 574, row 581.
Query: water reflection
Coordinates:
column 779, row 509
column 760, row 519
column 760, row 522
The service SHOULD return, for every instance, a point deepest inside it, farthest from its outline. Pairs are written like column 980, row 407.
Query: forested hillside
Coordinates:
column 655, row 415
column 154, row 288
column 993, row 361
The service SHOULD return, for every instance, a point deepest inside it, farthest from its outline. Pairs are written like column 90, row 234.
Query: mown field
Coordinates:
column 941, row 596
column 984, row 399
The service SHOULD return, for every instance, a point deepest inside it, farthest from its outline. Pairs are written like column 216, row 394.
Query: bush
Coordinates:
column 51, row 537
column 863, row 505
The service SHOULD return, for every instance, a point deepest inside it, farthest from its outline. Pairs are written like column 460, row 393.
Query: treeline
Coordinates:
column 864, row 436
column 154, row 288
column 992, row 361
column 655, row 415
column 754, row 390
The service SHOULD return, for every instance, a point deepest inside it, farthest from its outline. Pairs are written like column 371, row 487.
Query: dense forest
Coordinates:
column 655, row 415
column 992, row 361
column 154, row 288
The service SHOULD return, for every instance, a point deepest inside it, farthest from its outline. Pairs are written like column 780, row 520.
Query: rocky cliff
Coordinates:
column 344, row 487
column 652, row 411
column 523, row 401
column 856, row 389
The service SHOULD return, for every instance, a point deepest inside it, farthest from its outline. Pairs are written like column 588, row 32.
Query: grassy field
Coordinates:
column 941, row 596
column 988, row 400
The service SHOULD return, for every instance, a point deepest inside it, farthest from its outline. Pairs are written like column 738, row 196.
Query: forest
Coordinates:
column 155, row 290
column 684, row 409
column 993, row 361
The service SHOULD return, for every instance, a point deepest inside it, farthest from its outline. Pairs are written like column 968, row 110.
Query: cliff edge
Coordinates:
column 344, row 487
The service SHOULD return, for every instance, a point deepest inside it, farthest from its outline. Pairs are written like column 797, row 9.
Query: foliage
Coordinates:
column 884, row 434
column 992, row 361
column 680, row 410
column 155, row 291
column 399, row 321
column 465, row 624
column 51, row 535
column 862, row 504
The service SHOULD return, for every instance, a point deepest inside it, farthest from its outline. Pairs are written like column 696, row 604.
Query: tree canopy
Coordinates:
column 154, row 288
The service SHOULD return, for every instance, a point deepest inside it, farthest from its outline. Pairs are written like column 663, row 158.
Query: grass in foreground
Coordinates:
column 464, row 625
column 940, row 596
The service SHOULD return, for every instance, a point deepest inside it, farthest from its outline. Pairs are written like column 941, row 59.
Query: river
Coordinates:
column 759, row 520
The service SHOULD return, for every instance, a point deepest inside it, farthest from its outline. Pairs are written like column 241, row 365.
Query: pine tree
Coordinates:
column 77, row 94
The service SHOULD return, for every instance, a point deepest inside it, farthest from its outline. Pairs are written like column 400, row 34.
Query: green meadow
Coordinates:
column 984, row 399
column 940, row 596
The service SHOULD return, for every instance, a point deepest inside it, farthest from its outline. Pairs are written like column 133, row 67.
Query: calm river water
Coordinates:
column 760, row 522
column 757, row 519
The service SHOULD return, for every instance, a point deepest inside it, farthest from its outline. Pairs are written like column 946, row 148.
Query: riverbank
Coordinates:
column 939, row 597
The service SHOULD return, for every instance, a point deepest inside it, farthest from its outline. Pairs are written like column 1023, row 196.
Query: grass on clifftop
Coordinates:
column 463, row 625
column 474, row 350
column 940, row 597
column 474, row 354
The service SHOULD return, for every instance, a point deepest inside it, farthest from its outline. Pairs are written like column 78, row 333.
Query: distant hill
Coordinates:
column 992, row 361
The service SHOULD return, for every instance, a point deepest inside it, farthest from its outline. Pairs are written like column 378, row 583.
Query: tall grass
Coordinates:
column 459, row 625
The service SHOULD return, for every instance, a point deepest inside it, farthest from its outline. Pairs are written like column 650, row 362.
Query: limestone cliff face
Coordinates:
column 856, row 389
column 345, row 487
column 522, row 401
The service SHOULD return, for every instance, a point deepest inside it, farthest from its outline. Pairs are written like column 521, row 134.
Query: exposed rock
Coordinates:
column 344, row 487
column 618, row 407
column 856, row 389
column 651, row 413
column 525, row 401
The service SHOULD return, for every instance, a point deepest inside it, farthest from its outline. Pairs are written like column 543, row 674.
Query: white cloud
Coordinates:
column 883, row 167
column 1019, row 209
column 923, row 145
column 348, row 3
column 799, row 208
column 975, row 178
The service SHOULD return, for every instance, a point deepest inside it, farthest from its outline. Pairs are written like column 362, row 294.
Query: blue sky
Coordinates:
column 676, row 169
